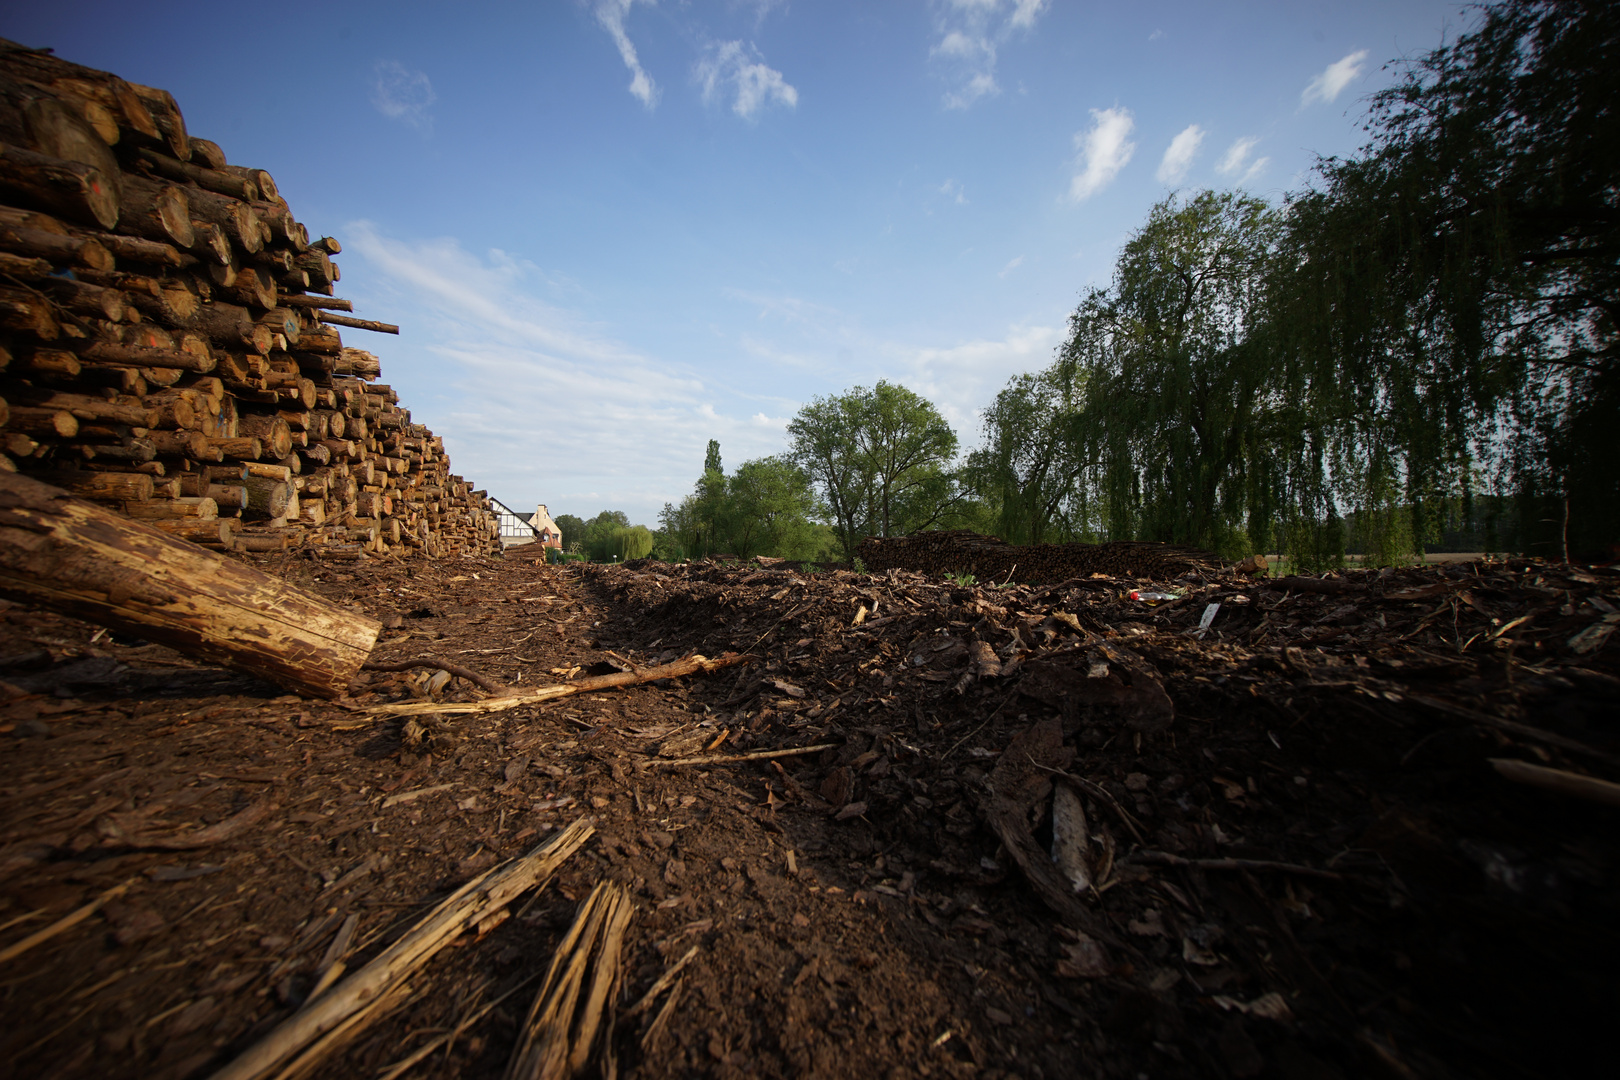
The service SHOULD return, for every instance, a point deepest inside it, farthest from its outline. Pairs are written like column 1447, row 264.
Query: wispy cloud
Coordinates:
column 1179, row 155
column 533, row 399
column 970, row 33
column 1012, row 264
column 961, row 378
column 1103, row 150
column 611, row 14
column 1236, row 161
column 732, row 69
column 1333, row 79
column 761, row 8
column 958, row 377
column 953, row 191
column 402, row 94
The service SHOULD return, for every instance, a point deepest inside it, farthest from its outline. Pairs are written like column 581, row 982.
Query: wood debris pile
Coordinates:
column 169, row 339
column 1342, row 826
column 987, row 558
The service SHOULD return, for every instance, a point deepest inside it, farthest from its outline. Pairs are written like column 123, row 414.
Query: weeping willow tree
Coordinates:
column 1439, row 316
column 1180, row 410
column 1458, row 282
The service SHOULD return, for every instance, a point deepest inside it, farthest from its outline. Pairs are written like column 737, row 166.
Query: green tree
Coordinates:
column 769, row 503
column 696, row 525
column 1029, row 471
column 1174, row 358
column 679, row 525
column 632, row 542
column 598, row 534
column 881, row 459
column 572, row 529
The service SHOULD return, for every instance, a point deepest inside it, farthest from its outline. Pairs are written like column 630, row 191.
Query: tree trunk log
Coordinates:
column 328, row 302
column 70, row 188
column 73, row 557
column 45, row 422
column 237, row 218
column 156, row 211
column 74, row 251
column 267, row 498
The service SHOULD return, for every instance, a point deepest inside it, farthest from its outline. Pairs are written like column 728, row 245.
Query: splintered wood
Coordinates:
column 168, row 345
column 559, row 1036
column 305, row 1039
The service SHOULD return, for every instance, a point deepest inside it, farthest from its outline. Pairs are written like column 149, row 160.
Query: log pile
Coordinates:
column 169, row 342
column 958, row 551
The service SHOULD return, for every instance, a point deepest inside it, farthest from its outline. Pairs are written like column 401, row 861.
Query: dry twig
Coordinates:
column 752, row 755
column 1164, row 858
column 1561, row 781
column 443, row 665
column 66, row 922
column 686, row 666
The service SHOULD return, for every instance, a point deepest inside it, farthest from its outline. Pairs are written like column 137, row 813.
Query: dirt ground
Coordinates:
column 1299, row 861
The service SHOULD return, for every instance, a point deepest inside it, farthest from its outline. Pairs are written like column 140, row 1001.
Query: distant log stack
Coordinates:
column 957, row 551
column 169, row 342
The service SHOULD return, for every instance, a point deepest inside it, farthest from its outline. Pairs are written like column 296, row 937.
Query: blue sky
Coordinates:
column 612, row 230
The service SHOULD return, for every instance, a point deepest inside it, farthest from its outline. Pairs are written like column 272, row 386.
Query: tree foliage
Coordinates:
column 881, row 460
column 629, row 542
column 1028, row 472
column 598, row 535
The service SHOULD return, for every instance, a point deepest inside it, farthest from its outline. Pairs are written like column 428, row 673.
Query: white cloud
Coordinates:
column 1333, row 79
column 733, row 68
column 1012, row 264
column 1179, row 155
column 402, row 94
column 961, row 378
column 1237, row 160
column 971, row 33
column 1104, row 149
column 953, row 191
column 980, row 85
column 611, row 15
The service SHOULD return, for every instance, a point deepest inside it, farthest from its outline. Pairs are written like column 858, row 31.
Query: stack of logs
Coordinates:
column 987, row 558
column 168, row 341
